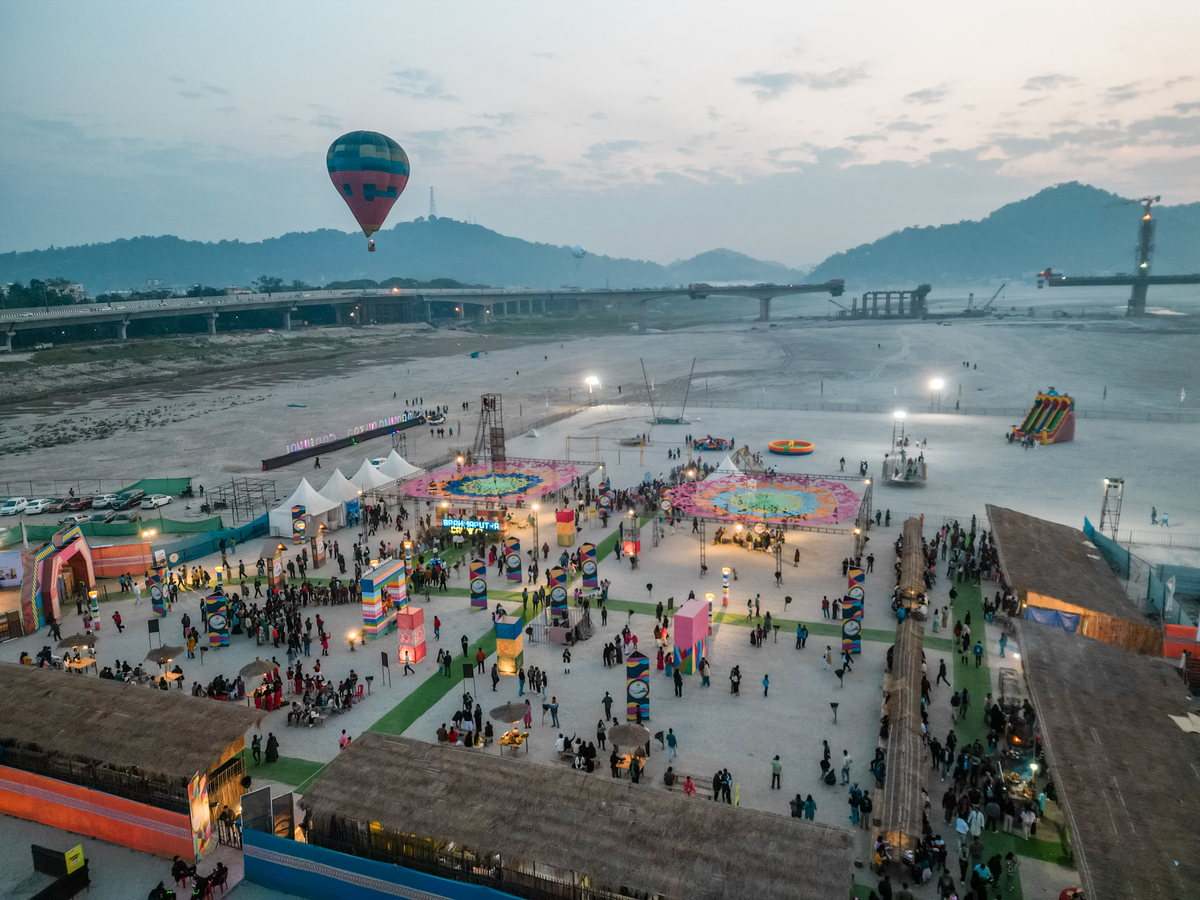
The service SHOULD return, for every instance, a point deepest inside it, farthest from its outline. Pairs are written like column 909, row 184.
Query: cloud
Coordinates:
column 1122, row 92
column 606, row 149
column 418, row 84
column 1187, row 107
column 1173, row 131
column 176, row 79
column 205, row 90
column 713, row 114
column 1050, row 82
column 863, row 138
column 599, row 116
column 502, row 120
column 213, row 89
column 927, row 96
column 544, row 55
column 325, row 121
column 907, row 125
column 226, row 109
column 1182, row 79
column 772, row 85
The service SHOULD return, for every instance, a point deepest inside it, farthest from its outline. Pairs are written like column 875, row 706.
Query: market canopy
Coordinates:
column 339, row 489
column 368, row 477
column 318, row 508
column 727, row 467
column 828, row 502
column 396, row 466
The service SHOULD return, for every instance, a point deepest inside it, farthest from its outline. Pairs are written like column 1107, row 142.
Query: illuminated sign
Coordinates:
column 469, row 526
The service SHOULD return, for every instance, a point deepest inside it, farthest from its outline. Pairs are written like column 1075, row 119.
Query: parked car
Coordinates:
column 13, row 505
column 56, row 504
column 75, row 518
column 155, row 501
column 125, row 518
column 103, row 501
column 128, row 499
column 36, row 507
column 102, row 518
column 75, row 504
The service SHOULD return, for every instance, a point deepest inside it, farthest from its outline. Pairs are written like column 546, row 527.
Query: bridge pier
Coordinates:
column 583, row 306
column 123, row 329
column 212, row 321
column 8, row 338
column 642, row 321
column 764, row 309
column 543, row 305
column 428, row 312
column 287, row 319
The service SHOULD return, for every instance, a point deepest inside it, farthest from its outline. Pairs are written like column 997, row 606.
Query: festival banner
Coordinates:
column 479, row 599
column 298, row 525
column 591, row 573
column 216, row 611
column 637, row 687
column 156, row 582
column 558, row 592
column 200, row 816
column 512, row 559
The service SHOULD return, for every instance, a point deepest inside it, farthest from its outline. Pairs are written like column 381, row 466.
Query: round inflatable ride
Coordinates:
column 791, row 448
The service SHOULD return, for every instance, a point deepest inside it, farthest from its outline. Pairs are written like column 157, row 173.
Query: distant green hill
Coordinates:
column 1073, row 228
column 423, row 250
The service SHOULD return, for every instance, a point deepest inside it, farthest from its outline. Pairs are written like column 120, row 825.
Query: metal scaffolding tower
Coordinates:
column 489, row 434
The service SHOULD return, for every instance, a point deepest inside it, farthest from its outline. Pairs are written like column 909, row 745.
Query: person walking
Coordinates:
column 705, row 672
column 554, row 711
column 495, row 677
column 766, row 684
column 672, row 744
column 256, row 748
column 480, row 659
column 1011, row 867
column 776, row 774
column 810, row 808
column 466, row 644
column 678, row 678
column 116, row 617
column 608, row 702
column 846, row 761
column 942, row 674
column 978, row 651
column 1003, row 644
column 828, row 658
column 437, row 628
column 601, row 734
column 521, row 682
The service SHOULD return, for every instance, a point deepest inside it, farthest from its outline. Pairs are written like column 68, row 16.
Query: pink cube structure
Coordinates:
column 691, row 635
column 410, row 622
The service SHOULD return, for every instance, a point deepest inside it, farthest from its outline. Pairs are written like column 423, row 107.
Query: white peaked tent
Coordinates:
column 395, row 466
column 727, row 467
column 367, row 478
column 319, row 509
column 339, row 489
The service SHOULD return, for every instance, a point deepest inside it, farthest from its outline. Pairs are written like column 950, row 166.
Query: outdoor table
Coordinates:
column 83, row 663
column 623, row 763
column 514, row 740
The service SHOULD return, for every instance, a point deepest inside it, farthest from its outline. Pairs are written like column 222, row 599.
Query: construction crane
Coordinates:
column 980, row 311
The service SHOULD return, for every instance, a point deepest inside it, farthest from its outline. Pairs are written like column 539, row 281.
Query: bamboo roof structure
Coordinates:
column 116, row 724
column 636, row 835
column 899, row 808
column 911, row 587
column 1128, row 776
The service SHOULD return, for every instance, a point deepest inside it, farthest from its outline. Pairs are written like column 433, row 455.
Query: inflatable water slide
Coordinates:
column 1051, row 420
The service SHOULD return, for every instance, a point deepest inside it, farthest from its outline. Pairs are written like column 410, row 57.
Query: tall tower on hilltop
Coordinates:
column 432, row 205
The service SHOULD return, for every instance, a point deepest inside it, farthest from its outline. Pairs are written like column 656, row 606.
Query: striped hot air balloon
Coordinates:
column 370, row 171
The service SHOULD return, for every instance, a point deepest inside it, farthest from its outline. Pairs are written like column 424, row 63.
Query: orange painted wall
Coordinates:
column 78, row 809
column 117, row 559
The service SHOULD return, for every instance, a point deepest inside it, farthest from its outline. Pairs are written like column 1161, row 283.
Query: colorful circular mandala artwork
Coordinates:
column 502, row 482
column 784, row 499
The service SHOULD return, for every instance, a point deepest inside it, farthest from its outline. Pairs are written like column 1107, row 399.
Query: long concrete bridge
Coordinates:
column 370, row 305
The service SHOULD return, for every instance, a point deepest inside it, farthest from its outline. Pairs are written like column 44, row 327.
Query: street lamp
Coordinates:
column 937, row 384
column 350, row 639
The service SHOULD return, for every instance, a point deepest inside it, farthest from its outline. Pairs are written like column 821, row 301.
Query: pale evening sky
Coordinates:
column 655, row 130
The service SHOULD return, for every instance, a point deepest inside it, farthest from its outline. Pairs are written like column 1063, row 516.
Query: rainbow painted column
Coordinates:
column 381, row 587
column 216, row 612
column 478, row 584
column 709, row 598
column 94, row 597
column 637, row 687
column 558, row 592
column 604, row 500
column 410, row 624
column 692, row 628
column 512, row 560
column 591, row 572
column 510, row 652
column 566, row 527
column 852, row 611
column 298, row 524
column 725, row 586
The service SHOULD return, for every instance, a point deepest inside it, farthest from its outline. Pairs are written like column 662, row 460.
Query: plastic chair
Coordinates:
column 358, row 695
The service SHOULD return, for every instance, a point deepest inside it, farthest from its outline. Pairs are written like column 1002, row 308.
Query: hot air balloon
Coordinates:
column 370, row 171
column 578, row 252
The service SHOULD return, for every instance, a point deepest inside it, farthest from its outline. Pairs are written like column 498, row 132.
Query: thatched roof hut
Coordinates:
column 554, row 823
column 1126, row 773
column 1056, row 567
column 162, row 734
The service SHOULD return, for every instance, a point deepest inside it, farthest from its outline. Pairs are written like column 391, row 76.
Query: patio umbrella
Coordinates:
column 258, row 667
column 630, row 734
column 163, row 655
column 78, row 640
column 509, row 712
